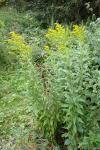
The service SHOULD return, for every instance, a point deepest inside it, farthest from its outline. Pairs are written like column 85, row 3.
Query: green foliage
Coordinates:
column 16, row 108
column 50, row 11
column 54, row 102
column 2, row 1
column 17, row 23
column 72, row 91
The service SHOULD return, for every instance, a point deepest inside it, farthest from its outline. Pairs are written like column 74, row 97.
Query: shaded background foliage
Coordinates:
column 50, row 11
column 65, row 11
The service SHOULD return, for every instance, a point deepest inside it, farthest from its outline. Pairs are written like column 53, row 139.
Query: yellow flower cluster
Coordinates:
column 79, row 32
column 57, row 32
column 18, row 46
column 61, row 38
column 13, row 34
column 58, row 37
column 47, row 49
column 17, row 42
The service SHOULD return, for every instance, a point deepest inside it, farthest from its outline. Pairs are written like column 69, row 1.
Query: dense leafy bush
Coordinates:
column 11, row 26
column 14, row 49
column 2, row 1
column 72, row 81
column 50, row 11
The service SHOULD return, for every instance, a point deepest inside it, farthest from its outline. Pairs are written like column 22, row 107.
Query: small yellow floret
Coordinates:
column 47, row 49
column 79, row 32
column 12, row 33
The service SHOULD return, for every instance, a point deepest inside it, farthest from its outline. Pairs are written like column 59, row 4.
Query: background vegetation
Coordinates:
column 64, row 11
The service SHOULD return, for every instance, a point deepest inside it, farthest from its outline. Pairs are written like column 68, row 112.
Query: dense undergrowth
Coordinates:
column 49, row 84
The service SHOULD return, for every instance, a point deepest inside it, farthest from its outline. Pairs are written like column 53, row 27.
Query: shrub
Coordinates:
column 15, row 49
column 48, row 12
column 72, row 90
column 62, row 39
column 2, row 1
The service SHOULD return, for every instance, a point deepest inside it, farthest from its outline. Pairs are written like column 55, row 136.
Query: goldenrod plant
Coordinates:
column 62, row 39
column 18, row 46
column 73, row 87
column 58, row 37
column 16, row 49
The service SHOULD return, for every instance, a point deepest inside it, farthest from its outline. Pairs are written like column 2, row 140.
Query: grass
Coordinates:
column 15, row 104
column 12, row 96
